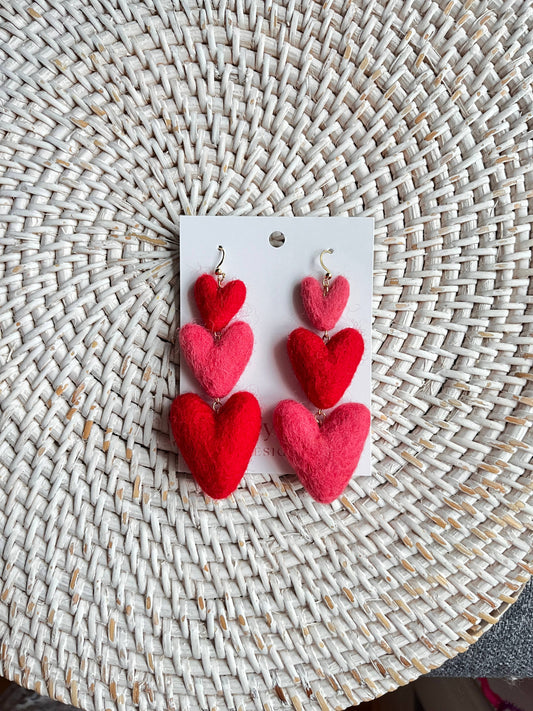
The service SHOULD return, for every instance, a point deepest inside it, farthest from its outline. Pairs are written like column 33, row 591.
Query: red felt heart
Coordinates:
column 218, row 304
column 325, row 369
column 324, row 310
column 217, row 445
column 323, row 456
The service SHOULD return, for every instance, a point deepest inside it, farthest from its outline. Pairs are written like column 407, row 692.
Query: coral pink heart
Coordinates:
column 217, row 362
column 323, row 456
column 218, row 304
column 325, row 369
column 324, row 310
column 217, row 446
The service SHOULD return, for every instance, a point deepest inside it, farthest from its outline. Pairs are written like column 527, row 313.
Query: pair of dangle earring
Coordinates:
column 217, row 441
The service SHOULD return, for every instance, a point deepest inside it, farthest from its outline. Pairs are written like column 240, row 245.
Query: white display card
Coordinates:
column 273, row 306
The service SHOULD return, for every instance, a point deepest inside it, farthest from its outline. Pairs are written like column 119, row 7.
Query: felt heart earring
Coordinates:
column 323, row 449
column 217, row 440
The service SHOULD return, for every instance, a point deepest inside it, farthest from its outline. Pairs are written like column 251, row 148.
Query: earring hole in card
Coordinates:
column 277, row 239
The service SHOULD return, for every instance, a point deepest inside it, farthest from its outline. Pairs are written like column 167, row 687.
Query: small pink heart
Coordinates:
column 323, row 456
column 324, row 310
column 217, row 363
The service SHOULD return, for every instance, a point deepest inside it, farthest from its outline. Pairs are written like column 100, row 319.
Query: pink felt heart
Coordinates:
column 217, row 362
column 323, row 456
column 324, row 310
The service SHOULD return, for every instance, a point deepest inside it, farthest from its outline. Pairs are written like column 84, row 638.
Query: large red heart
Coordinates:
column 323, row 456
column 217, row 363
column 325, row 369
column 324, row 310
column 218, row 304
column 217, row 445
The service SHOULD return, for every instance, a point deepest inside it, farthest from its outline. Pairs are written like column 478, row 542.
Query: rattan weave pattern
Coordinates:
column 121, row 585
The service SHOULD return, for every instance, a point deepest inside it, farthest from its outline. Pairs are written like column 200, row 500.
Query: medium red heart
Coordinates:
column 325, row 369
column 218, row 304
column 323, row 456
column 217, row 445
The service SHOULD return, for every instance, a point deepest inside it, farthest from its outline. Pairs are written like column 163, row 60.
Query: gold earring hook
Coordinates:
column 218, row 271
column 322, row 253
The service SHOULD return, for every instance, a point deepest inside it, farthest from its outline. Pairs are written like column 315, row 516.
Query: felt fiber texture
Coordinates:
column 218, row 304
column 323, row 456
column 217, row 362
column 324, row 310
column 217, row 446
column 325, row 369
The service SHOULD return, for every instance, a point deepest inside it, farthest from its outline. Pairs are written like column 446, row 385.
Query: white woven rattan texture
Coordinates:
column 121, row 585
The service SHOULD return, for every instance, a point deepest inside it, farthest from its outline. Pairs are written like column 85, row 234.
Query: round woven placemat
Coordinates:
column 121, row 585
